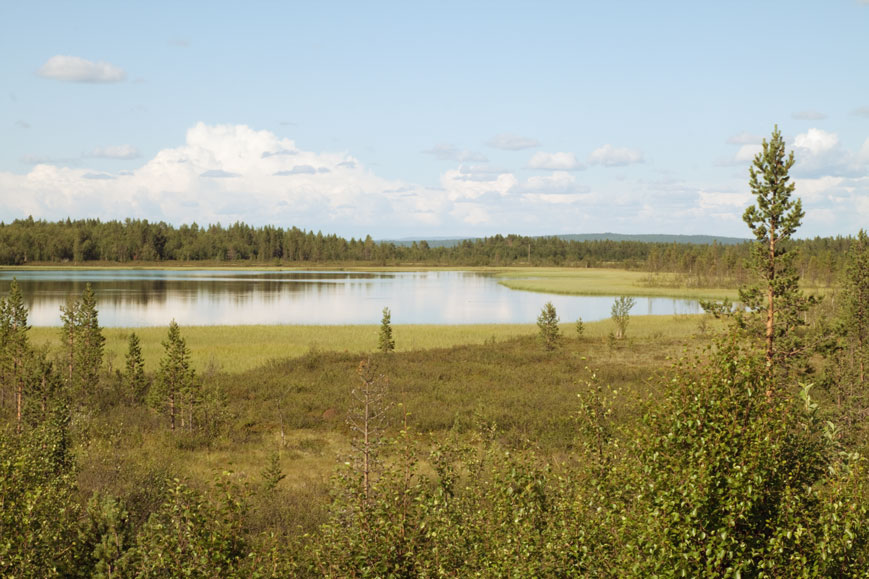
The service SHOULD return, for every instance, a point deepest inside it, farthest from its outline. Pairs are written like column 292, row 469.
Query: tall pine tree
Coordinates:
column 776, row 304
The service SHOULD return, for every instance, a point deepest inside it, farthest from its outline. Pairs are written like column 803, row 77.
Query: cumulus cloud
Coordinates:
column 747, row 153
column 512, row 142
column 280, row 152
column 479, row 172
column 298, row 170
column 446, row 152
column 76, row 69
column 116, row 152
column 457, row 186
column 610, row 156
column 559, row 188
column 555, row 162
column 808, row 115
column 816, row 141
column 218, row 174
column 861, row 111
column 820, row 153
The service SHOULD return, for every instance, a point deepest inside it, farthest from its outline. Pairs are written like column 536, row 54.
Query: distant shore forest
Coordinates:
column 140, row 242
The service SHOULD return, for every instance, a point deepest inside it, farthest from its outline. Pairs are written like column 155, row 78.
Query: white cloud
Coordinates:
column 555, row 161
column 219, row 174
column 812, row 190
column 747, row 153
column 559, row 188
column 861, row 111
column 458, row 186
column 808, row 115
column 116, row 152
column 610, row 156
column 75, row 69
column 819, row 153
column 723, row 200
column 471, row 213
column 863, row 155
column 816, row 141
column 479, row 172
column 512, row 142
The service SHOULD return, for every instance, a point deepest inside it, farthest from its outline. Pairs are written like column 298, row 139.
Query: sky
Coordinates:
column 432, row 119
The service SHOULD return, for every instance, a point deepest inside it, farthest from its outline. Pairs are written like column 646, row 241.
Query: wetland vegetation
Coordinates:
column 727, row 444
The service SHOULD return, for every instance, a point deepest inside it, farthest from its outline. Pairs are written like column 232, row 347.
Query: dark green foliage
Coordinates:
column 547, row 323
column 621, row 314
column 38, row 510
column 845, row 372
column 189, row 537
column 175, row 391
column 83, row 341
column 135, row 382
column 105, row 536
column 733, row 483
column 776, row 305
column 385, row 341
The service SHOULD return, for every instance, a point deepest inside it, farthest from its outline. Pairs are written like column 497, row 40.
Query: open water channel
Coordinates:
column 131, row 298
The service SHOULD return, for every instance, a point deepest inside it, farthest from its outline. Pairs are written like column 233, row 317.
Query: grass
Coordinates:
column 604, row 281
column 235, row 349
column 297, row 406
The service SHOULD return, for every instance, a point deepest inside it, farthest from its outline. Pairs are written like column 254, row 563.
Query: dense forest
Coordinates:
column 29, row 241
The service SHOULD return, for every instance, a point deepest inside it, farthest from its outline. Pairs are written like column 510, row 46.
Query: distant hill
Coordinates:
column 647, row 237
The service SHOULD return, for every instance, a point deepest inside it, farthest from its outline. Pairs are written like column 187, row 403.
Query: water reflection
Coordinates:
column 128, row 298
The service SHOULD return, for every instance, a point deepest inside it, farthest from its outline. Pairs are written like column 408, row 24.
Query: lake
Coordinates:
column 132, row 298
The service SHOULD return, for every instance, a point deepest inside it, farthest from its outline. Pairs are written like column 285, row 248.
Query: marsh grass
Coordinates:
column 604, row 281
column 234, row 349
column 297, row 405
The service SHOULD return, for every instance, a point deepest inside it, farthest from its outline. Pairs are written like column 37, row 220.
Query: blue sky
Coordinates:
column 432, row 119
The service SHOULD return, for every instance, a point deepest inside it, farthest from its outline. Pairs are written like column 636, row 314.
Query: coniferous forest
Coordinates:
column 735, row 449
column 136, row 242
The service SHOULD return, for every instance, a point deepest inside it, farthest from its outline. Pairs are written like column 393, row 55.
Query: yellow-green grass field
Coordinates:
column 604, row 281
column 241, row 348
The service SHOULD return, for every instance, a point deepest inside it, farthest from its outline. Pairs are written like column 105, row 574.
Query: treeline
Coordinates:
column 26, row 241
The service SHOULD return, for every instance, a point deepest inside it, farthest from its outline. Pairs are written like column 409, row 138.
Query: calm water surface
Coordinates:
column 127, row 298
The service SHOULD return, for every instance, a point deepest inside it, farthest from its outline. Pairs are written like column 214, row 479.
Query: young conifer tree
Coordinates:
column 386, row 343
column 89, row 355
column 135, row 381
column 175, row 377
column 773, row 219
column 547, row 323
